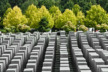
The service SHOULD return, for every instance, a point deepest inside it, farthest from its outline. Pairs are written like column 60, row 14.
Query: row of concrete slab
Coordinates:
column 64, row 60
column 49, row 56
column 94, row 50
column 36, row 52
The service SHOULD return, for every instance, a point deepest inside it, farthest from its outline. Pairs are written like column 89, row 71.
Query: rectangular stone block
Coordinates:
column 64, row 69
column 29, row 70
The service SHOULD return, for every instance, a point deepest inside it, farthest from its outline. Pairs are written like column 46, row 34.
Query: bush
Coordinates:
column 98, row 27
column 10, row 29
column 83, row 28
column 23, row 28
column 3, row 31
column 44, row 25
column 69, row 27
column 102, row 27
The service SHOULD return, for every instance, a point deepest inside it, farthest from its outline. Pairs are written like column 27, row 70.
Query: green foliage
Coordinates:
column 81, row 3
column 3, row 31
column 98, row 26
column 62, row 4
column 35, row 16
column 83, row 28
column 47, row 3
column 76, row 9
column 106, row 7
column 93, row 2
column 96, row 15
column 15, row 2
column 23, row 28
column 31, row 14
column 43, row 25
column 31, row 10
column 69, row 5
column 43, row 12
column 86, row 7
column 53, row 10
column 102, row 2
column 56, row 14
column 27, row 3
column 7, row 11
column 11, row 29
column 68, row 15
column 58, row 20
column 1, row 21
column 14, row 17
column 84, row 12
column 1, row 24
column 80, row 18
column 4, row 5
column 102, row 27
column 69, row 26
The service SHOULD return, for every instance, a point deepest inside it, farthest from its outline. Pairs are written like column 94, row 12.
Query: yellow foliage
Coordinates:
column 68, row 15
column 80, row 18
column 14, row 17
column 35, row 19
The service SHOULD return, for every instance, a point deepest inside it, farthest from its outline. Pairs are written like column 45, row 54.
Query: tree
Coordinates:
column 57, row 2
column 96, row 15
column 23, row 28
column 68, row 15
column 43, row 12
column 93, row 2
column 63, row 2
column 31, row 13
column 106, row 7
column 5, row 14
column 69, row 5
column 75, row 1
column 43, row 25
column 58, row 21
column 27, row 3
column 55, row 12
column 7, row 11
column 76, row 9
column 86, row 7
column 47, row 3
column 0, row 18
column 16, row 2
column 0, row 23
column 35, row 17
column 102, row 27
column 80, row 18
column 4, row 5
column 31, row 10
column 81, row 3
column 83, row 28
column 14, row 18
column 69, row 26
column 102, row 3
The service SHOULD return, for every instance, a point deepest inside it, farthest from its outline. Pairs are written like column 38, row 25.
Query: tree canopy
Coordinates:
column 14, row 17
column 96, row 15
